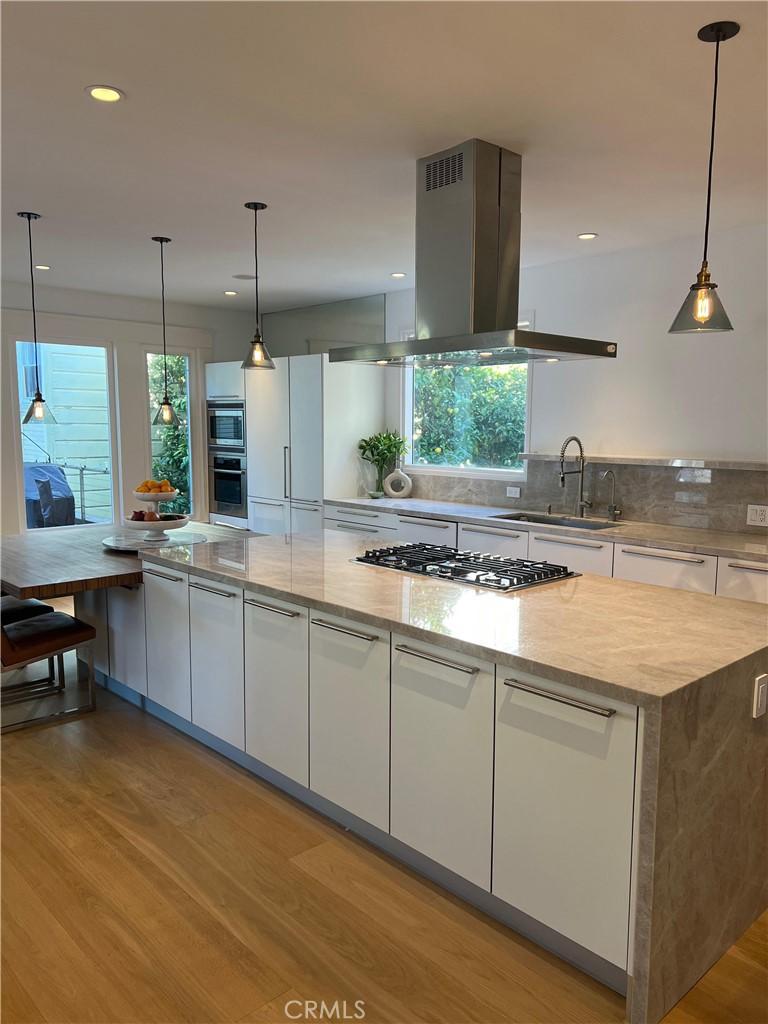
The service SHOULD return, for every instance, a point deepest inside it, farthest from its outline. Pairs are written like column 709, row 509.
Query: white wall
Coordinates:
column 676, row 395
column 681, row 395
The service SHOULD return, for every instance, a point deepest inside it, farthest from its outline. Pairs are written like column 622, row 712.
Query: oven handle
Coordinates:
column 229, row 472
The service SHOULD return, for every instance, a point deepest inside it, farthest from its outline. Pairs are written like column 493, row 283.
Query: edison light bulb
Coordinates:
column 166, row 413
column 703, row 306
column 38, row 410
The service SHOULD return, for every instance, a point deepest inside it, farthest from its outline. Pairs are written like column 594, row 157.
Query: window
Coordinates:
column 171, row 445
column 469, row 417
column 67, row 465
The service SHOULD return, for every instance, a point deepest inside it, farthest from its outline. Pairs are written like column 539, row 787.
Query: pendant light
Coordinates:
column 258, row 357
column 38, row 411
column 702, row 311
column 166, row 414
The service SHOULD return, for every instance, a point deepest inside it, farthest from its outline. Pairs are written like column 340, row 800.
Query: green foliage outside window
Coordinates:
column 170, row 445
column 470, row 416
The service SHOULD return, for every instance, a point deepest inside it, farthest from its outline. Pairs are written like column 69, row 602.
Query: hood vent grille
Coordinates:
column 445, row 171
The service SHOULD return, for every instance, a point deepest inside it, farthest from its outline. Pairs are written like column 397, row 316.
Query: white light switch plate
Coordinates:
column 760, row 696
column 757, row 515
column 513, row 492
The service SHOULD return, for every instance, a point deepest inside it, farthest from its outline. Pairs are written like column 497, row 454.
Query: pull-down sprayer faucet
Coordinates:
column 581, row 501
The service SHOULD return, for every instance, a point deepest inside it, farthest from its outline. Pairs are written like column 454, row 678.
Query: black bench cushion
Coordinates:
column 14, row 609
column 39, row 637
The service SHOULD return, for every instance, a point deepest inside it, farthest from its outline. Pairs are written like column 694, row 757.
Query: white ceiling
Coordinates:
column 321, row 109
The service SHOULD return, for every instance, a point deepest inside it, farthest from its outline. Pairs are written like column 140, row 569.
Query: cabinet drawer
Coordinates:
column 493, row 541
column 415, row 530
column 166, row 610
column 216, row 657
column 442, row 756
column 741, row 579
column 666, row 568
column 564, row 790
column 580, row 555
column 349, row 716
column 362, row 528
column 277, row 685
column 370, row 516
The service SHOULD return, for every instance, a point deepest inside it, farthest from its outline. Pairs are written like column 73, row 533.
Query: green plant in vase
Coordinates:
column 382, row 450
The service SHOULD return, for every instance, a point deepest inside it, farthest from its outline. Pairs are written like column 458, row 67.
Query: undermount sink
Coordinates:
column 573, row 521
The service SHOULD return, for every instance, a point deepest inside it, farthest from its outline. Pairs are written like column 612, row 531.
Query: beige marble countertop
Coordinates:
column 626, row 640
column 749, row 546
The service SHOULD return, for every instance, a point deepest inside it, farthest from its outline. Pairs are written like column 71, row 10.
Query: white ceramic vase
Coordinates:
column 398, row 484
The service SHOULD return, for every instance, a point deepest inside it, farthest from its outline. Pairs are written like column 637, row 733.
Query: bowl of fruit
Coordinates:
column 156, row 491
column 154, row 524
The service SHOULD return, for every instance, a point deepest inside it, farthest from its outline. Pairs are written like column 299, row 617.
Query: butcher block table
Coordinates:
column 64, row 560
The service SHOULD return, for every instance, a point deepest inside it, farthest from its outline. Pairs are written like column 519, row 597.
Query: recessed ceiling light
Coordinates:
column 42, row 266
column 523, row 323
column 230, row 293
column 551, row 360
column 105, row 93
column 587, row 236
column 398, row 275
column 382, row 362
column 485, row 354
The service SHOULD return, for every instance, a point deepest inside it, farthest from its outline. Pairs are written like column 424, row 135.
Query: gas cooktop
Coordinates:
column 480, row 570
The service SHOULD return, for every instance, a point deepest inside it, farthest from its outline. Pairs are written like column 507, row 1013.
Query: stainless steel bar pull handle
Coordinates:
column 748, row 568
column 468, row 670
column 370, row 637
column 272, row 504
column 164, row 575
column 271, row 608
column 666, row 558
column 357, row 529
column 572, row 541
column 355, row 512
column 285, row 472
column 211, row 590
column 593, row 709
column 424, row 522
column 488, row 529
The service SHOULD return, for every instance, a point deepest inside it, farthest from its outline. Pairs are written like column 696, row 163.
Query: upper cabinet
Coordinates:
column 224, row 380
column 268, row 431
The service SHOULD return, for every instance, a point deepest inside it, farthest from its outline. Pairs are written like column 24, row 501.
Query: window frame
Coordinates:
column 445, row 469
column 192, row 378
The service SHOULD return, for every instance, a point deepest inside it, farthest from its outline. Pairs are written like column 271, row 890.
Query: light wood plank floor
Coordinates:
column 146, row 879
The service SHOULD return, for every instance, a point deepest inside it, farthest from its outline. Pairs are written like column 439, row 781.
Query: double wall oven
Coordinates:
column 227, row 481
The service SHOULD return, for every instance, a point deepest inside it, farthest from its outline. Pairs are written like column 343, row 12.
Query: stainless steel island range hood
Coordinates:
column 468, row 270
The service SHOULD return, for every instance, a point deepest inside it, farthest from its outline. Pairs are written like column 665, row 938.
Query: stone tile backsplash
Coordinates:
column 714, row 499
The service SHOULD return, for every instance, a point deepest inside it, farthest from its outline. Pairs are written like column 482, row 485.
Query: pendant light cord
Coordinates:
column 162, row 300
column 256, row 261
column 711, row 149
column 34, row 307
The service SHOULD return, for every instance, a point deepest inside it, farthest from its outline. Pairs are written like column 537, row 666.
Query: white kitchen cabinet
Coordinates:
column 580, row 555
column 415, row 530
column 268, row 431
column 216, row 655
column 91, row 607
column 442, row 756
column 266, row 515
column 493, row 540
column 304, row 420
column 166, row 609
column 364, row 529
column 306, row 518
column 563, row 806
column 224, row 381
column 665, row 568
column 742, row 579
column 127, row 637
column 277, row 685
column 305, row 458
column 349, row 716
column 364, row 515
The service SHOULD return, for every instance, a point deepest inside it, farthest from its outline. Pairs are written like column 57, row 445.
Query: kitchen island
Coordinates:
column 579, row 759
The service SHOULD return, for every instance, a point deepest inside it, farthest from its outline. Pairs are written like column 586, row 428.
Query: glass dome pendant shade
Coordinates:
column 38, row 411
column 702, row 311
column 258, row 357
column 166, row 414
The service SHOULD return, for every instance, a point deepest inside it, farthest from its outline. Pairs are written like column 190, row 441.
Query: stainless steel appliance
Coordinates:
column 227, row 486
column 226, row 427
column 473, row 567
column 468, row 269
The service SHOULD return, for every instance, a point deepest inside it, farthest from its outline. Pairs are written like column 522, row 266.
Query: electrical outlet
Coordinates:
column 757, row 515
column 760, row 696
column 513, row 492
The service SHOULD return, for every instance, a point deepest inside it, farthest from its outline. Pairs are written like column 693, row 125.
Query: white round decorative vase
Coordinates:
column 398, row 485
